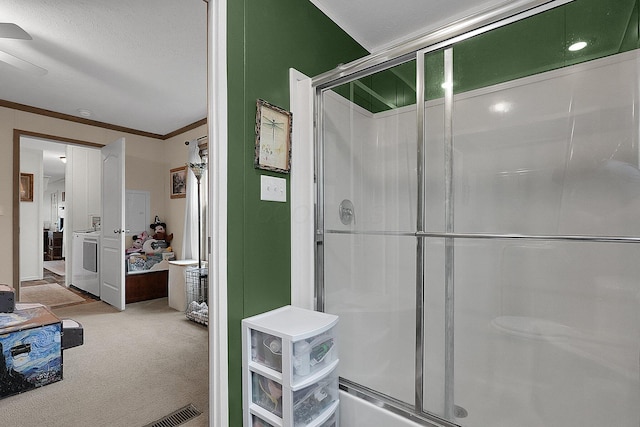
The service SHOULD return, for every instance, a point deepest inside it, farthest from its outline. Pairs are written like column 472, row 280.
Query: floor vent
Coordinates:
column 177, row 418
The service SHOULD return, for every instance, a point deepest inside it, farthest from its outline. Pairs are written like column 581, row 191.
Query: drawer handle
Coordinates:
column 20, row 349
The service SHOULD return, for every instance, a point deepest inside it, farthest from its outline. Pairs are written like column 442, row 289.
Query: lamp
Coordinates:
column 198, row 170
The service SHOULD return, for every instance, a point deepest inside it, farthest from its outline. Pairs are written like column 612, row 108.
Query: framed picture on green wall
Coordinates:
column 273, row 137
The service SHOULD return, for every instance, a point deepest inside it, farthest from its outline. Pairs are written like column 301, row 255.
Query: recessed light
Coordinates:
column 63, row 159
column 501, row 107
column 84, row 112
column 577, row 46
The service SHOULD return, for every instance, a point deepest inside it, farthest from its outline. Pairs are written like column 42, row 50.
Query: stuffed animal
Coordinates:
column 138, row 242
column 160, row 232
column 154, row 246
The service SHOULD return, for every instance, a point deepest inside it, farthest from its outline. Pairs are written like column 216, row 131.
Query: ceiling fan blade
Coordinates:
column 12, row 31
column 21, row 64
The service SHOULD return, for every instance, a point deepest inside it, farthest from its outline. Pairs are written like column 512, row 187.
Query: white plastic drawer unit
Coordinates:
column 307, row 403
column 331, row 422
column 290, row 377
column 309, row 355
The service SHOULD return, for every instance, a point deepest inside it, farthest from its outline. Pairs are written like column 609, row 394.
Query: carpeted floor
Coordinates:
column 134, row 367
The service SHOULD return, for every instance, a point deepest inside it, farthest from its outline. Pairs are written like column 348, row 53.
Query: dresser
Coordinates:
column 53, row 245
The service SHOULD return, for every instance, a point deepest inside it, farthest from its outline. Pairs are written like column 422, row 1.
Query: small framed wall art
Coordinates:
column 26, row 187
column 178, row 182
column 273, row 137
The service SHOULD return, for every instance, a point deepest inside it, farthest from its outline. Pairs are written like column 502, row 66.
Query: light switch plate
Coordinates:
column 273, row 189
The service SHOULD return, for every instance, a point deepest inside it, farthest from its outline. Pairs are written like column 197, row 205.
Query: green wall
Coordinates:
column 539, row 43
column 523, row 48
column 265, row 39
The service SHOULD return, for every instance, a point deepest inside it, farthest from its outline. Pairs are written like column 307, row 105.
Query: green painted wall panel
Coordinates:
column 523, row 48
column 265, row 39
column 540, row 43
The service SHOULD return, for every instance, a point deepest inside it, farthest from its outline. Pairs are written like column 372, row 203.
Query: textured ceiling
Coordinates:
column 138, row 64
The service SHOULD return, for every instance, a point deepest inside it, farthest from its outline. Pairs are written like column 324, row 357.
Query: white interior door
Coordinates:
column 112, row 281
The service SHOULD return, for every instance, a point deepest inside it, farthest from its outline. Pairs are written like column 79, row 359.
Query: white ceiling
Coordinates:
column 139, row 64
column 142, row 64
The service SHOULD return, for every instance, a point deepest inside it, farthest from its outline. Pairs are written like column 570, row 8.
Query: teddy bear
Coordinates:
column 160, row 232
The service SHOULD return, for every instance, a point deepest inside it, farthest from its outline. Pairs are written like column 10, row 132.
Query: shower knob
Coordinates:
column 347, row 212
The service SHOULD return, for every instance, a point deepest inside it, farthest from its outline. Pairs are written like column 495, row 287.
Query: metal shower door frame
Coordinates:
column 416, row 49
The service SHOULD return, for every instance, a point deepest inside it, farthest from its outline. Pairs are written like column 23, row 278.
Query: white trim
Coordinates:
column 217, row 131
column 302, row 191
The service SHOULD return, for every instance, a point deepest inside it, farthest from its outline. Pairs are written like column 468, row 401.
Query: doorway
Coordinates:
column 50, row 209
column 43, row 278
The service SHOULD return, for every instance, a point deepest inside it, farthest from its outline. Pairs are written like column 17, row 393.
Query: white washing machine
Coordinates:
column 85, row 273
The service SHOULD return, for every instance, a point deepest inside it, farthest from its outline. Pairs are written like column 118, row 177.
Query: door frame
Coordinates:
column 17, row 134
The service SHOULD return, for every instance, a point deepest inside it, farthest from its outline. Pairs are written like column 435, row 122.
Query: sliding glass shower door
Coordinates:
column 479, row 234
column 531, row 314
column 369, row 187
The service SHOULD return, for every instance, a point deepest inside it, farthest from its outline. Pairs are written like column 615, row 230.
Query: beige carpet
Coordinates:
column 134, row 367
column 56, row 267
column 51, row 294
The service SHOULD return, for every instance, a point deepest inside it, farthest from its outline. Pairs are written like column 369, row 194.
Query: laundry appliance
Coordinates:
column 86, row 261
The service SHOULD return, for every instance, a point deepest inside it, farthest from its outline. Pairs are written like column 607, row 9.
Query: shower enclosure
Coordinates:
column 479, row 228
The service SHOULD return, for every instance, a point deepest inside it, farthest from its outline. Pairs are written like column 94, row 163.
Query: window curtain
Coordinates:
column 190, row 242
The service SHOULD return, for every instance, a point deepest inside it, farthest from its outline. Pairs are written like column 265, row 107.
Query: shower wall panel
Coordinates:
column 371, row 161
column 546, row 333
column 377, row 321
column 556, row 153
column 370, row 277
column 347, row 134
